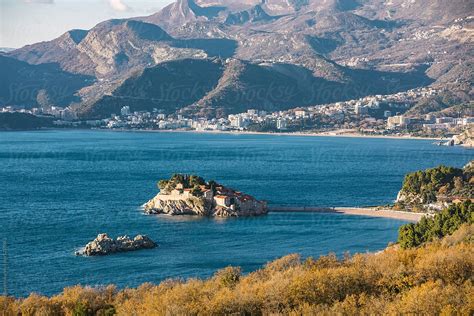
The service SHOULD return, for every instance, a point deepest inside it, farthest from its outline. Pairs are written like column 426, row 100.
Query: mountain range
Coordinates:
column 216, row 57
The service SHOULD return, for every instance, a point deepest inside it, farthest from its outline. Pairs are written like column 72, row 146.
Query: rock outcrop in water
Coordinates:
column 104, row 245
column 465, row 139
column 192, row 195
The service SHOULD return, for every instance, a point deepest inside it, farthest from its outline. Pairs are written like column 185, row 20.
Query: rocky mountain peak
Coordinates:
column 130, row 28
column 184, row 11
column 284, row 6
column 77, row 35
column 254, row 14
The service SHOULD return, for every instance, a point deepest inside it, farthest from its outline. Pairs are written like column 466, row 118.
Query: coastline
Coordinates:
column 336, row 133
column 356, row 211
column 311, row 134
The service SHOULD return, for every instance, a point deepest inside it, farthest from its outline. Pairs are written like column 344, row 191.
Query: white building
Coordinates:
column 430, row 118
column 467, row 120
column 238, row 121
column 125, row 111
column 300, row 113
column 440, row 126
column 442, row 120
column 68, row 115
column 252, row 112
column 281, row 124
column 360, row 109
column 398, row 121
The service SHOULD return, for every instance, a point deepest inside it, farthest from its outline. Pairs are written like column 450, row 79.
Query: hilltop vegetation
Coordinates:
column 442, row 224
column 188, row 182
column 437, row 186
column 23, row 121
column 447, row 102
column 433, row 278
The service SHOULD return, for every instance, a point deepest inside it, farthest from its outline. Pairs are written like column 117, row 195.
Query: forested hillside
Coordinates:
column 435, row 188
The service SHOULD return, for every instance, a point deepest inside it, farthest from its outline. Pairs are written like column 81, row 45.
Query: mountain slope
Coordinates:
column 233, row 86
column 63, row 50
column 21, row 83
column 423, row 11
column 118, row 47
column 168, row 86
column 254, row 14
column 348, row 48
column 244, row 85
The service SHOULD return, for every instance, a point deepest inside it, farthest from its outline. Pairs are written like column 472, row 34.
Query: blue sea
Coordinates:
column 59, row 189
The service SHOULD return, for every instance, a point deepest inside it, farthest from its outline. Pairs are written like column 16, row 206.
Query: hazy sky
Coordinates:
column 29, row 21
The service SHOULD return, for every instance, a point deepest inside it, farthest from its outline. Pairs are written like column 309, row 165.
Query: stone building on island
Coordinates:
column 192, row 195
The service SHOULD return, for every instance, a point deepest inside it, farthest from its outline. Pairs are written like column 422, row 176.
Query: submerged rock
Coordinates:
column 104, row 245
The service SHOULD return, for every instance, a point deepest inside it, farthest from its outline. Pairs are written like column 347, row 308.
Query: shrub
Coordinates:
column 229, row 276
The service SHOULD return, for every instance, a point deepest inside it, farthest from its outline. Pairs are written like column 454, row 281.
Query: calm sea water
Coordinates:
column 59, row 189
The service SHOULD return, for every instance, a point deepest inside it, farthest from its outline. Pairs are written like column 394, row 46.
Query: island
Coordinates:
column 104, row 245
column 192, row 195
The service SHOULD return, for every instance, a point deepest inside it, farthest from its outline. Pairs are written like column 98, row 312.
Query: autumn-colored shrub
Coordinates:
column 433, row 279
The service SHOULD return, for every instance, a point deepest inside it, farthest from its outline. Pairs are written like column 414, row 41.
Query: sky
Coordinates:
column 25, row 22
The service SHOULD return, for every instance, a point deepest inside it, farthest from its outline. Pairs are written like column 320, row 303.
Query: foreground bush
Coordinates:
column 436, row 278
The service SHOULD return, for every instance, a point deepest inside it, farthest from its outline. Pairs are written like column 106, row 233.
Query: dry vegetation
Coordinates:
column 436, row 278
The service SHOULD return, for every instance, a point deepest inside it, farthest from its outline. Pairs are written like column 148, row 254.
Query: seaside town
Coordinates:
column 371, row 115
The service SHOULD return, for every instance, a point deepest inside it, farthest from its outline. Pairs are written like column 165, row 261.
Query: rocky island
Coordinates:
column 104, row 245
column 192, row 195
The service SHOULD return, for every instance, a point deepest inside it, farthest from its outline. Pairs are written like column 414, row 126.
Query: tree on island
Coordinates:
column 187, row 181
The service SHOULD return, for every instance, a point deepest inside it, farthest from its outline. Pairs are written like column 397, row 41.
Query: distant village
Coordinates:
column 376, row 115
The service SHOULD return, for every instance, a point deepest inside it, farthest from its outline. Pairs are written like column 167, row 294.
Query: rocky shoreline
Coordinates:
column 195, row 207
column 104, row 245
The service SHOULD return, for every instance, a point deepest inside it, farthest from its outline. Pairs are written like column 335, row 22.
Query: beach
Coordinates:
column 336, row 133
column 358, row 211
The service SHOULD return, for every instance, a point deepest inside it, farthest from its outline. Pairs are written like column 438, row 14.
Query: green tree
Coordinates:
column 441, row 225
column 407, row 236
column 162, row 184
column 196, row 191
column 196, row 181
